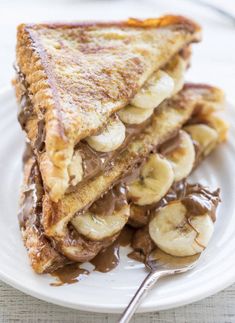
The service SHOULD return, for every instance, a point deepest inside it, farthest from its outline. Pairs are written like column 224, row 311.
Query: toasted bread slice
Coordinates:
column 77, row 75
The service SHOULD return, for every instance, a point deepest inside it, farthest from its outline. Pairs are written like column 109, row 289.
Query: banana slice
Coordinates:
column 156, row 178
column 75, row 169
column 99, row 227
column 182, row 158
column 176, row 235
column 176, row 69
column 110, row 139
column 205, row 136
column 133, row 115
column 159, row 87
column 220, row 125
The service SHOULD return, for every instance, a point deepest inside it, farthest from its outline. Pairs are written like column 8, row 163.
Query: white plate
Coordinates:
column 111, row 292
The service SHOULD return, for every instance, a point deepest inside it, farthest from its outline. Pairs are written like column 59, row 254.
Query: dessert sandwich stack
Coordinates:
column 112, row 134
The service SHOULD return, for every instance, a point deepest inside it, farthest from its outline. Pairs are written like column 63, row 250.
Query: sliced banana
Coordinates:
column 205, row 136
column 133, row 115
column 174, row 234
column 156, row 178
column 219, row 124
column 182, row 158
column 99, row 227
column 159, row 87
column 110, row 139
column 75, row 169
column 176, row 69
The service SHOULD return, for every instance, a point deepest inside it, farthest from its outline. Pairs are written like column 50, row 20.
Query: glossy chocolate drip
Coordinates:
column 142, row 245
column 39, row 143
column 198, row 200
column 114, row 200
column 31, row 205
column 69, row 274
column 108, row 258
column 95, row 162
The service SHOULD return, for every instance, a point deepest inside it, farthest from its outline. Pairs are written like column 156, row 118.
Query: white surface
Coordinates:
column 110, row 292
column 214, row 62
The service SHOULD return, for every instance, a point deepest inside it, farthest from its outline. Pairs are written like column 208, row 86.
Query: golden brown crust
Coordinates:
column 43, row 257
column 79, row 74
column 164, row 21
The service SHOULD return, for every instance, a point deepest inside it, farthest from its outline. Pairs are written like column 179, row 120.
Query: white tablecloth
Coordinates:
column 18, row 307
column 218, row 45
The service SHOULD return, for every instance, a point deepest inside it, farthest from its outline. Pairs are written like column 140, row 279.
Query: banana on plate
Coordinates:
column 182, row 225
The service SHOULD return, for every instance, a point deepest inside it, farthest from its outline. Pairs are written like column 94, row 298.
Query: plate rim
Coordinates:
column 222, row 283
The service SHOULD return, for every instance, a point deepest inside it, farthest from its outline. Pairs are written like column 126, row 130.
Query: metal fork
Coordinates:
column 160, row 265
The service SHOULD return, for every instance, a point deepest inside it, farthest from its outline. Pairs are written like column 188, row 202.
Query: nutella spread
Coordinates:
column 113, row 200
column 69, row 274
column 199, row 200
column 32, row 197
column 108, row 258
column 39, row 143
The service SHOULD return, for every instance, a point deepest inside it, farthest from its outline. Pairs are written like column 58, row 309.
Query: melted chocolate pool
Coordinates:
column 69, row 274
column 108, row 258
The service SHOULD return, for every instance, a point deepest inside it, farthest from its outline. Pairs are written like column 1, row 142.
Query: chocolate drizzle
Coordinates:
column 114, row 200
column 32, row 199
column 197, row 199
column 108, row 258
column 26, row 113
column 39, row 143
column 69, row 274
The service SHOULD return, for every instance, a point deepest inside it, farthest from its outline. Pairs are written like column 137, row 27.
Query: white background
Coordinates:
column 217, row 50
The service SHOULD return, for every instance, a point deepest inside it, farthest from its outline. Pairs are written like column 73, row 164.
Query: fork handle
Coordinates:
column 146, row 285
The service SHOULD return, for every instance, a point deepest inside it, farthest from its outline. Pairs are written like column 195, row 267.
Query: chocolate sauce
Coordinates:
column 126, row 236
column 114, row 200
column 32, row 198
column 108, row 258
column 170, row 145
column 39, row 143
column 95, row 162
column 199, row 200
column 69, row 274
column 139, row 215
column 142, row 243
